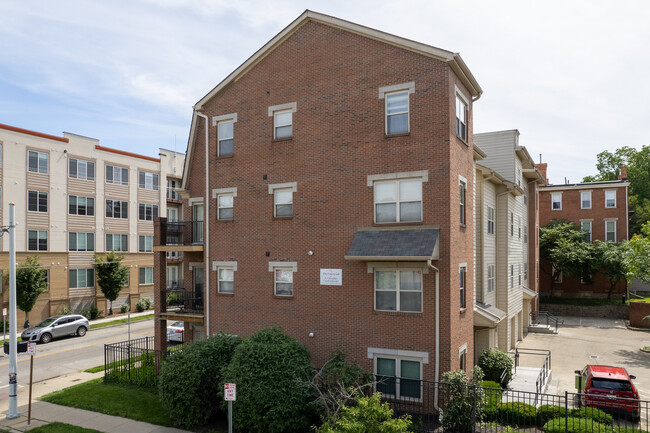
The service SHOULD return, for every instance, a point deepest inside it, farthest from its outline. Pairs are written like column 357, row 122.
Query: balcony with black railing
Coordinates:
column 183, row 301
column 173, row 195
column 181, row 233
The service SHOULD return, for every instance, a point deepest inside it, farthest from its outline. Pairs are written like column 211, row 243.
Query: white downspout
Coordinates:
column 437, row 355
column 206, row 230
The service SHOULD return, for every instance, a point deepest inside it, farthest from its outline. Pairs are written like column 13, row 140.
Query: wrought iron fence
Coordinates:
column 134, row 362
column 181, row 233
column 493, row 410
column 184, row 301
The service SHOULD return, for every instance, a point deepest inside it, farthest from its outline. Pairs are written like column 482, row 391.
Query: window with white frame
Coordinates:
column 462, row 186
column 226, row 279
column 117, row 175
column 37, row 240
column 81, row 278
column 463, row 288
column 147, row 212
column 512, row 224
column 462, row 357
column 79, row 241
column 398, row 290
column 610, row 230
column 525, row 233
column 610, row 198
column 585, row 199
column 519, row 275
column 491, row 278
column 397, row 112
column 282, row 124
column 283, row 281
column 81, row 169
column 148, row 180
column 283, row 202
column 398, row 200
column 491, row 215
column 79, row 205
column 525, row 271
column 37, row 201
column 556, row 201
column 225, row 137
column 38, row 162
column 398, row 376
column 117, row 242
column 225, row 206
column 145, row 243
column 146, row 275
column 461, row 117
column 519, row 225
column 585, row 226
column 117, row 209
column 512, row 276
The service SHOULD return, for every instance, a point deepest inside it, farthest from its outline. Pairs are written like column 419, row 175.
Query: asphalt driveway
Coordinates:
column 584, row 340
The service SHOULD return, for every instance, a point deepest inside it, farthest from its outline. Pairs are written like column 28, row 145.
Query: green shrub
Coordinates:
column 271, row 371
column 575, row 425
column 85, row 313
column 94, row 313
column 459, row 414
column 65, row 310
column 513, row 414
column 592, row 413
column 367, row 415
column 143, row 304
column 547, row 412
column 493, row 362
column 628, row 429
column 492, row 392
column 190, row 380
column 124, row 308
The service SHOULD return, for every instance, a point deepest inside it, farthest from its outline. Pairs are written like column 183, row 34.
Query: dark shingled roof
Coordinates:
column 394, row 243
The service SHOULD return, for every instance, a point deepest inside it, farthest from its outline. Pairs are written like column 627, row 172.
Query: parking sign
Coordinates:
column 31, row 349
column 230, row 391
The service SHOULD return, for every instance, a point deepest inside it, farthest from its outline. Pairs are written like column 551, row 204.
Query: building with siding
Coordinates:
column 75, row 198
column 338, row 203
column 601, row 211
column 506, row 241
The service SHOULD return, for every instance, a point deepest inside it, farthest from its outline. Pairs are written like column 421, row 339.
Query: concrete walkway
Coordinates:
column 45, row 413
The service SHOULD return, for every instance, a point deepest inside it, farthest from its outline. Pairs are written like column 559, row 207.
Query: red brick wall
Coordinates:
column 338, row 140
column 571, row 211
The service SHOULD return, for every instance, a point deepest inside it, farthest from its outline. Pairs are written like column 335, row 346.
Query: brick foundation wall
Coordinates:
column 638, row 311
column 608, row 311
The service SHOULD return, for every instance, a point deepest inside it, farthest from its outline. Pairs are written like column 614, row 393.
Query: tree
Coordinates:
column 636, row 257
column 112, row 275
column 562, row 244
column 31, row 281
column 611, row 259
column 466, row 403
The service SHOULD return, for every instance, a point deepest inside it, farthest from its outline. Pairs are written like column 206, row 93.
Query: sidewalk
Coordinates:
column 45, row 413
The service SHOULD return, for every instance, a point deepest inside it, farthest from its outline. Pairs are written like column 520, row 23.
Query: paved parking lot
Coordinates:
column 582, row 341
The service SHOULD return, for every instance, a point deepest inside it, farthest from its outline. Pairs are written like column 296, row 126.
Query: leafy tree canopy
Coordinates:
column 112, row 275
column 31, row 281
column 636, row 257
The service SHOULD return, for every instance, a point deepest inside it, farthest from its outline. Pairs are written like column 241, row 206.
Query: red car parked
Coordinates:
column 608, row 388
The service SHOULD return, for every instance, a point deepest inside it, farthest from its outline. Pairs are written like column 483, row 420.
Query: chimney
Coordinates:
column 542, row 168
column 623, row 173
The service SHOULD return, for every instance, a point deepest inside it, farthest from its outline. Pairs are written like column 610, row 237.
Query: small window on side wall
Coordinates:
column 461, row 117
column 226, row 277
column 225, row 132
column 397, row 113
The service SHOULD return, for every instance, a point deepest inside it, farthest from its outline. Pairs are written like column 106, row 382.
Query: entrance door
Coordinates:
column 198, row 288
column 197, row 223
column 172, row 214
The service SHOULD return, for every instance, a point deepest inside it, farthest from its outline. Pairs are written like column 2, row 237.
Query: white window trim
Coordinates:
column 292, row 265
column 556, row 193
column 231, row 117
column 398, row 201
column 488, row 278
column 461, row 95
column 590, row 199
column 609, row 220
column 399, row 355
column 591, row 228
column 397, row 265
column 421, row 174
column 217, row 264
column 291, row 106
column 195, row 200
column 488, row 220
column 287, row 185
column 461, row 266
column 409, row 86
column 615, row 200
column 217, row 191
column 398, row 291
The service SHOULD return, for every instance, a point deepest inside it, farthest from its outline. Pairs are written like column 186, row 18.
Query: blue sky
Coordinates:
column 571, row 76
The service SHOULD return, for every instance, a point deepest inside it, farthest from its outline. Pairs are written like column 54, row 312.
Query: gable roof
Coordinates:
column 454, row 60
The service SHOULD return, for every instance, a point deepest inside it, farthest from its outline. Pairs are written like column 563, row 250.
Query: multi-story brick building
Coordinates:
column 75, row 198
column 338, row 202
column 506, row 240
column 601, row 210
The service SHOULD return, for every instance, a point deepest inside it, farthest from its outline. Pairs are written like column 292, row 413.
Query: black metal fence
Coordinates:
column 184, row 301
column 181, row 233
column 134, row 362
column 495, row 410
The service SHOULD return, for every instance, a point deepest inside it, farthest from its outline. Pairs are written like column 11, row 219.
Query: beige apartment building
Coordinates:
column 75, row 198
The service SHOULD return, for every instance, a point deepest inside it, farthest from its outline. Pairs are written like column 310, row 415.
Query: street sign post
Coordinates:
column 230, row 395
column 31, row 351
column 4, row 319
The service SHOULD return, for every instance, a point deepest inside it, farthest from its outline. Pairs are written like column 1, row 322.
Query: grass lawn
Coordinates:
column 59, row 427
column 120, row 400
column 120, row 321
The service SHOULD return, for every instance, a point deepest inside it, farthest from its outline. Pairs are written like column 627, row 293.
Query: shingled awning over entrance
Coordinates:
column 407, row 244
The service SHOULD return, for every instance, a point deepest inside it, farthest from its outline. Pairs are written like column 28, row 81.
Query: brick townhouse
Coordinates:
column 601, row 211
column 339, row 201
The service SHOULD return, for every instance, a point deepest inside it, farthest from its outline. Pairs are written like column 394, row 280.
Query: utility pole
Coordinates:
column 13, row 339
